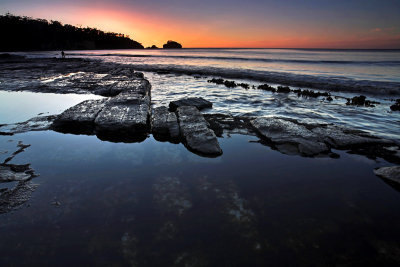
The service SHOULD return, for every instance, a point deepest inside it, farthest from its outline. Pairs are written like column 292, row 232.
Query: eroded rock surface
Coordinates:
column 195, row 132
column 198, row 102
column 164, row 125
column 40, row 123
column 390, row 173
column 289, row 137
column 124, row 117
column 292, row 137
column 79, row 118
column 14, row 197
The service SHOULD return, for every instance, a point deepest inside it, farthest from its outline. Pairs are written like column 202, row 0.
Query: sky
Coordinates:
column 362, row 24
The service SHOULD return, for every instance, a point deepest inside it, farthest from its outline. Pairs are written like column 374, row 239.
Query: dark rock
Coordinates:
column 40, row 123
column 396, row 106
column 198, row 102
column 152, row 47
column 164, row 125
column 329, row 98
column 222, row 123
column 292, row 137
column 216, row 81
column 342, row 138
column 310, row 93
column 361, row 101
column 389, row 173
column 283, row 89
column 123, row 122
column 195, row 132
column 124, row 117
column 267, row 87
column 12, row 172
column 172, row 45
column 230, row 84
column 79, row 118
column 244, row 85
column 289, row 137
column 13, row 198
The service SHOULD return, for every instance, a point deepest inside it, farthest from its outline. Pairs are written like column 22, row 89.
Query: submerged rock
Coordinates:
column 40, row 123
column 396, row 106
column 267, row 87
column 164, row 125
column 216, row 81
column 12, row 198
column 198, row 102
column 12, row 172
column 290, row 137
column 195, row 132
column 390, row 173
column 361, row 101
column 283, row 89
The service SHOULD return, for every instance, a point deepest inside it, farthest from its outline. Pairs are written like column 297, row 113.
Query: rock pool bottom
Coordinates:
column 157, row 204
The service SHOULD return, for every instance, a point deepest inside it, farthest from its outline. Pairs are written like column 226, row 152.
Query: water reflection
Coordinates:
column 135, row 204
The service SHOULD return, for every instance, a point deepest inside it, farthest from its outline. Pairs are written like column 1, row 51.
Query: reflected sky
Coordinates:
column 155, row 203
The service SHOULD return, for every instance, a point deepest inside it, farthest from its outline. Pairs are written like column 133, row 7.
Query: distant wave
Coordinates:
column 338, row 84
column 384, row 63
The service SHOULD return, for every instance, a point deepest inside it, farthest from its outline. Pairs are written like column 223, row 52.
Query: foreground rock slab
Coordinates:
column 126, row 121
column 289, row 137
column 195, row 132
column 124, row 117
column 79, row 118
column 390, row 173
column 293, row 137
column 164, row 125
column 198, row 102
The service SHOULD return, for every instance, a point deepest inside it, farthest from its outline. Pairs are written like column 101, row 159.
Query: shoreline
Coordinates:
column 261, row 186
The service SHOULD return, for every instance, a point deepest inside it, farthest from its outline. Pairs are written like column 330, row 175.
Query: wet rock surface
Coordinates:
column 164, row 125
column 361, row 101
column 79, row 118
column 14, row 196
column 389, row 173
column 195, row 132
column 396, row 106
column 289, row 137
column 40, row 123
column 63, row 76
column 124, row 117
column 198, row 102
column 293, row 137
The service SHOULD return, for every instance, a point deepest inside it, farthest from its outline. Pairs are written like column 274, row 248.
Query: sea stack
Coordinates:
column 172, row 45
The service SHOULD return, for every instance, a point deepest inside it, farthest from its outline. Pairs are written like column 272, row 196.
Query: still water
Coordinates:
column 156, row 204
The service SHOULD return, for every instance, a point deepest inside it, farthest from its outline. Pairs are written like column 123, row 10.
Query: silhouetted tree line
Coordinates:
column 28, row 34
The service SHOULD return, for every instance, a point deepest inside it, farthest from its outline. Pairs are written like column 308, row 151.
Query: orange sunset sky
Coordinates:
column 283, row 24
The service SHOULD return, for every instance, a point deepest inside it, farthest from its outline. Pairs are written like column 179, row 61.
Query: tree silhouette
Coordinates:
column 28, row 34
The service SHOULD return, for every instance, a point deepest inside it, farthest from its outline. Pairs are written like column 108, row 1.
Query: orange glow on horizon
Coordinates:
column 156, row 29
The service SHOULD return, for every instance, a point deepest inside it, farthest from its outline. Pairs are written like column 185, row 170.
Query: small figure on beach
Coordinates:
column 62, row 54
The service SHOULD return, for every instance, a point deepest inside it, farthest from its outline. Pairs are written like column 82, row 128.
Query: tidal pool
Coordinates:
column 157, row 204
